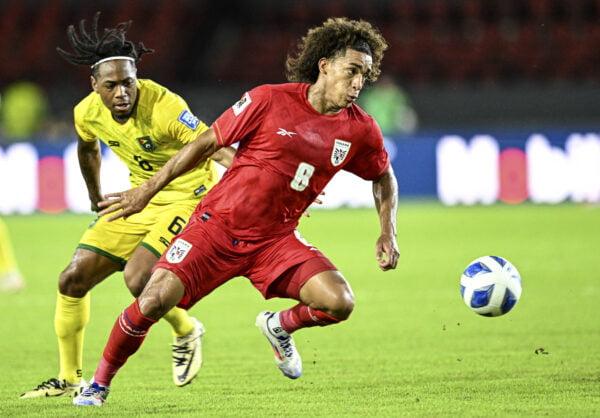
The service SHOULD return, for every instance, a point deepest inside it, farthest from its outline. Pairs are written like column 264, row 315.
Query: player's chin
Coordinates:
column 124, row 108
column 121, row 114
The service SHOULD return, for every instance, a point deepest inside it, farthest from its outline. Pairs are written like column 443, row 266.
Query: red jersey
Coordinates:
column 287, row 154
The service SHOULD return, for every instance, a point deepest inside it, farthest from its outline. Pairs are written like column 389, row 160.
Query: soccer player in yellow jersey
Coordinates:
column 10, row 277
column 145, row 125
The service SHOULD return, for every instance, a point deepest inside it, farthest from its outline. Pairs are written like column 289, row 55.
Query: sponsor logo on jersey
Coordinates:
column 114, row 144
column 179, row 249
column 146, row 143
column 200, row 190
column 340, row 152
column 283, row 132
column 242, row 104
column 188, row 119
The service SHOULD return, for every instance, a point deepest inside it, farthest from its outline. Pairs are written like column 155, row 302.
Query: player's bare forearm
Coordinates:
column 385, row 193
column 132, row 201
column 90, row 158
column 187, row 158
column 224, row 156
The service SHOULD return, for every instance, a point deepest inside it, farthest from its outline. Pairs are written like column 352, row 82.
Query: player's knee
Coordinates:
column 340, row 305
column 344, row 305
column 162, row 292
column 135, row 280
column 73, row 283
column 152, row 306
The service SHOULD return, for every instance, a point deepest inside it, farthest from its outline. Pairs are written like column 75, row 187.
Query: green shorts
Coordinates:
column 153, row 228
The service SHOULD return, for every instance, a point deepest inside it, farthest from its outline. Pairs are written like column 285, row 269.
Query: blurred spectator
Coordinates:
column 59, row 130
column 390, row 106
column 10, row 277
column 23, row 110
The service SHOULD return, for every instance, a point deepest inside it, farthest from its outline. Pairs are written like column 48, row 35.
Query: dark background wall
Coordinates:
column 498, row 63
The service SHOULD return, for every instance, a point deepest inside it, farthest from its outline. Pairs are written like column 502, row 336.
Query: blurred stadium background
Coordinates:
column 497, row 105
column 496, row 99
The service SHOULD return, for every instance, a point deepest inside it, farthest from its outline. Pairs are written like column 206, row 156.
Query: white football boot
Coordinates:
column 286, row 356
column 187, row 355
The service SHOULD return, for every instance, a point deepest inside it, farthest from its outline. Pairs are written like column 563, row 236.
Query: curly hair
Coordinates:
column 330, row 39
column 91, row 48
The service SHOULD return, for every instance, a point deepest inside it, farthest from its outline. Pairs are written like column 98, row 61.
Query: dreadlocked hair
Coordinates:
column 90, row 48
column 333, row 38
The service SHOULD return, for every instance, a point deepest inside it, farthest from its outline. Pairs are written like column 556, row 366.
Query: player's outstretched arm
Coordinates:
column 224, row 156
column 385, row 192
column 90, row 158
column 131, row 201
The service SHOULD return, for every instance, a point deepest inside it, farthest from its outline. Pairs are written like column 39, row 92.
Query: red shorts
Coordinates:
column 205, row 256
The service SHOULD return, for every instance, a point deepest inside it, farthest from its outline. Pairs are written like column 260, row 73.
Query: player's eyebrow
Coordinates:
column 125, row 80
column 360, row 67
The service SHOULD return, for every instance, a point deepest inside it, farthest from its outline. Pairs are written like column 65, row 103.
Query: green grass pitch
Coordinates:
column 411, row 347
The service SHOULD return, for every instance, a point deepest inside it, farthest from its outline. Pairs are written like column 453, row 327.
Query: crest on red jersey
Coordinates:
column 340, row 152
column 179, row 249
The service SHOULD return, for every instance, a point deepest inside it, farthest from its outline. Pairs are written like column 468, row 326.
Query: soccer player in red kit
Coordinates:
column 293, row 138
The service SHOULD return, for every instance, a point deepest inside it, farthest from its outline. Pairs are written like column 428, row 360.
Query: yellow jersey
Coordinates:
column 160, row 125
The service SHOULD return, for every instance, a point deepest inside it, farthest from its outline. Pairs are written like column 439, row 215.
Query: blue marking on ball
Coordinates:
column 476, row 268
column 509, row 301
column 481, row 297
column 500, row 260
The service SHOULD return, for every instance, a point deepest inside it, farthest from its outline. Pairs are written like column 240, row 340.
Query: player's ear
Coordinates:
column 94, row 84
column 323, row 64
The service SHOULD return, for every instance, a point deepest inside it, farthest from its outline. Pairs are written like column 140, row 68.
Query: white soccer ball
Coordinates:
column 490, row 286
